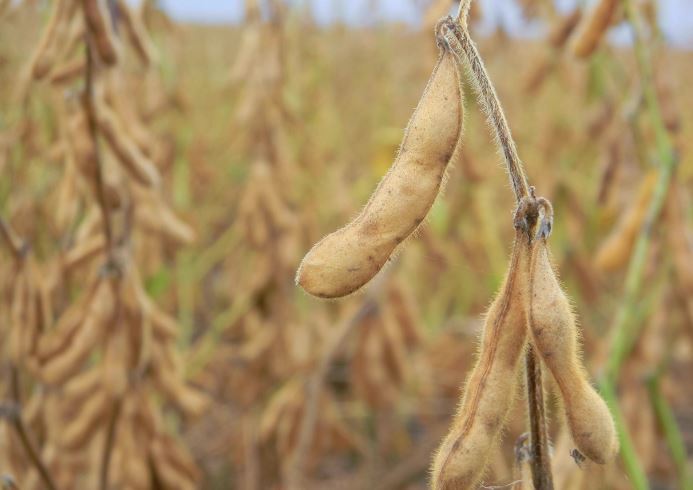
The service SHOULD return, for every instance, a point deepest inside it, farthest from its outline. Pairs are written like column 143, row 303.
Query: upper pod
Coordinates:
column 345, row 260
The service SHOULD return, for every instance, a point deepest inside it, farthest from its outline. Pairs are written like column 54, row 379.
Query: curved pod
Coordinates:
column 347, row 259
column 490, row 391
column 554, row 333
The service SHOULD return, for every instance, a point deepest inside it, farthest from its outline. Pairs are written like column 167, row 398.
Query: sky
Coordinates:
column 676, row 16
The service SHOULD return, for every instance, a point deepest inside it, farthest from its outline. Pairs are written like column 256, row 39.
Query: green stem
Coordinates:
column 672, row 434
column 625, row 328
column 631, row 463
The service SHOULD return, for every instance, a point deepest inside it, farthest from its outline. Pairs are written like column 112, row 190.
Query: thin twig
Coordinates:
column 17, row 246
column 465, row 50
column 540, row 461
column 296, row 464
column 412, row 467
column 108, row 444
column 92, row 123
column 314, row 393
column 672, row 434
column 14, row 415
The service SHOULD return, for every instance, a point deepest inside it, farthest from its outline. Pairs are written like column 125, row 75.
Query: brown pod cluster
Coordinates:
column 347, row 259
column 461, row 460
column 530, row 300
column 555, row 336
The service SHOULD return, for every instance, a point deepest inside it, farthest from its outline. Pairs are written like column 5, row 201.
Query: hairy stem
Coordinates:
column 463, row 12
column 464, row 49
column 459, row 41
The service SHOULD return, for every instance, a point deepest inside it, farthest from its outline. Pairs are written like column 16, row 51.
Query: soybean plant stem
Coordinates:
column 461, row 44
column 465, row 49
column 15, row 417
column 463, row 12
column 90, row 109
column 624, row 326
column 672, row 434
column 17, row 246
column 315, row 384
column 314, row 391
column 108, row 445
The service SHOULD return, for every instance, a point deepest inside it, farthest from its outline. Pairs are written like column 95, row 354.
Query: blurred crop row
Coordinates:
column 155, row 209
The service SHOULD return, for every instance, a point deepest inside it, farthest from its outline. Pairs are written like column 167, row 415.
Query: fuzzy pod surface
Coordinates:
column 490, row 390
column 345, row 260
column 555, row 335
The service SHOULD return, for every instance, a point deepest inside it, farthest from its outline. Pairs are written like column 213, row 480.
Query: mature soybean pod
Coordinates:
column 461, row 459
column 46, row 52
column 98, row 19
column 592, row 28
column 554, row 333
column 347, row 259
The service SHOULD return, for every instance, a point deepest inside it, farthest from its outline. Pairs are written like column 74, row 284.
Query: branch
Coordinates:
column 90, row 109
column 12, row 412
column 457, row 38
column 296, row 463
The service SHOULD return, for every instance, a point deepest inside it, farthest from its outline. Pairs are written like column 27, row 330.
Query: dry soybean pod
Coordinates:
column 85, row 422
column 592, row 28
column 98, row 22
column 489, row 393
column 554, row 334
column 46, row 52
column 137, row 34
column 347, row 259
column 616, row 250
column 67, row 72
column 135, row 162
column 96, row 316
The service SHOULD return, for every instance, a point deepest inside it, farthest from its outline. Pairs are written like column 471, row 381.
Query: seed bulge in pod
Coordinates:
column 347, row 259
column 555, row 336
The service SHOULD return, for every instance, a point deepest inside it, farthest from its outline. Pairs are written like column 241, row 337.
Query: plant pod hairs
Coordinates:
column 347, row 259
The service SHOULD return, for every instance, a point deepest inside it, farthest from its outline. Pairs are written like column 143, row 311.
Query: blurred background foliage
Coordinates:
column 269, row 134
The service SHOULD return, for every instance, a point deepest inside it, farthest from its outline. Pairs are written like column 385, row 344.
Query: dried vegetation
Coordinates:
column 162, row 181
